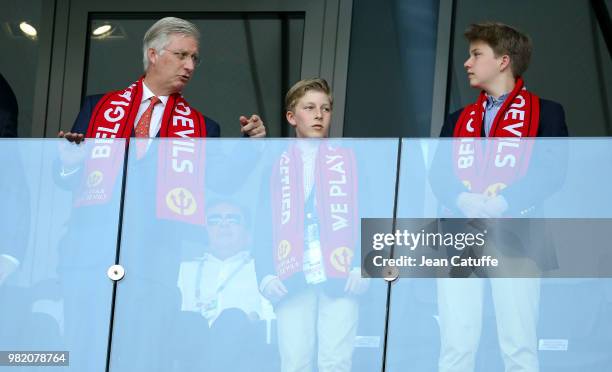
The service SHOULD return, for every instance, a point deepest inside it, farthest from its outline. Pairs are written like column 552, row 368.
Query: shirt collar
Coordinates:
column 492, row 101
column 146, row 94
column 240, row 256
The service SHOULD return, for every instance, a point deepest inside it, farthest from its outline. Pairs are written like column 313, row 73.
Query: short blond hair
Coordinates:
column 299, row 89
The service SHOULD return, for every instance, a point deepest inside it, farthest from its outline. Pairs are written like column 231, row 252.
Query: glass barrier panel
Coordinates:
column 59, row 218
column 243, row 255
column 510, row 255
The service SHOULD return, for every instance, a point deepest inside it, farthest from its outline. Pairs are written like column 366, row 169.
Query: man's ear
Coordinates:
column 290, row 116
column 152, row 55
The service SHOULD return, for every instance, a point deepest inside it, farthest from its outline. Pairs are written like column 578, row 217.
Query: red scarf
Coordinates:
column 503, row 160
column 519, row 116
column 180, row 168
column 115, row 113
column 103, row 164
column 336, row 206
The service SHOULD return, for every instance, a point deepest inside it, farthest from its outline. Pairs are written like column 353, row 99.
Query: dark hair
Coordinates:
column 503, row 39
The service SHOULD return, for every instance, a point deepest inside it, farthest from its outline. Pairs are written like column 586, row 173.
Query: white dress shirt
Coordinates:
column 229, row 283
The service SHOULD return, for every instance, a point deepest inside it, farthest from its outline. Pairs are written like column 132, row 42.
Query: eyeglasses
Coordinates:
column 182, row 56
column 231, row 219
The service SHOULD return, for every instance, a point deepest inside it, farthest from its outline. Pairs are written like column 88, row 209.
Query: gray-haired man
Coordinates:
column 153, row 105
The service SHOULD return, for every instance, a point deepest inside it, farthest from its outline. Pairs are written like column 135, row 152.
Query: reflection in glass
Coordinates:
column 310, row 269
column 219, row 291
column 194, row 273
column 60, row 213
column 509, row 322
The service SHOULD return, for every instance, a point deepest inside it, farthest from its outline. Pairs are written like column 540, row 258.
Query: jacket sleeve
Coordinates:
column 81, row 123
column 212, row 127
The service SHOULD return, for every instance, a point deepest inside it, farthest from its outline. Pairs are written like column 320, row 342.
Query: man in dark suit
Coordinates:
column 153, row 106
column 9, row 110
column 498, row 57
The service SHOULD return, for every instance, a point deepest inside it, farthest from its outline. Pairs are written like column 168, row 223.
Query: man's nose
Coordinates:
column 189, row 64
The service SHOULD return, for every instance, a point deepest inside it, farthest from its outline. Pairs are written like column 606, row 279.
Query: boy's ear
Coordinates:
column 290, row 116
column 505, row 62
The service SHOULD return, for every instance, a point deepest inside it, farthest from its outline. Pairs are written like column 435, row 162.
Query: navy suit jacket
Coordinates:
column 81, row 123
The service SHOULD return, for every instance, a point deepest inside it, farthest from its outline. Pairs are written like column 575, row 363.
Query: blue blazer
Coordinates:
column 81, row 123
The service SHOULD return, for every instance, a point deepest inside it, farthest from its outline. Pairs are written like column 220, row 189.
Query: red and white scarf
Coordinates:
column 115, row 113
column 504, row 160
column 519, row 115
column 336, row 207
column 180, row 169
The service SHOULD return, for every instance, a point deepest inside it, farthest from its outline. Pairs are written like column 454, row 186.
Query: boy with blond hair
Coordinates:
column 309, row 105
column 311, row 279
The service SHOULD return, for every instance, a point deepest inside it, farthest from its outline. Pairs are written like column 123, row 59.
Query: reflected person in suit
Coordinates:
column 151, row 107
column 221, row 288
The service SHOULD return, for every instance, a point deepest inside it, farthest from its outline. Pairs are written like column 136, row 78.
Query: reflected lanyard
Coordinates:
column 221, row 286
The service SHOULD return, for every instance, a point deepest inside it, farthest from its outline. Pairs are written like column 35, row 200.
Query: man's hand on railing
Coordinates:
column 71, row 156
column 71, row 137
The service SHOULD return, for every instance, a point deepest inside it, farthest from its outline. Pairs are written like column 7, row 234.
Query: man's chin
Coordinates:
column 178, row 87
